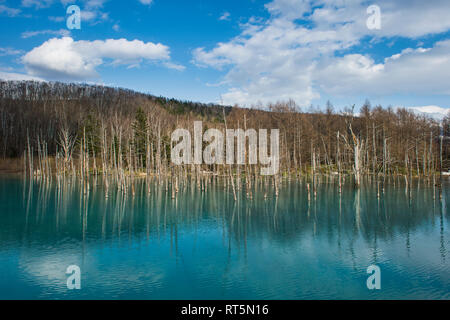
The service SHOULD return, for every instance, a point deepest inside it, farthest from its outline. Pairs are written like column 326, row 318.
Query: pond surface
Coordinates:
column 204, row 245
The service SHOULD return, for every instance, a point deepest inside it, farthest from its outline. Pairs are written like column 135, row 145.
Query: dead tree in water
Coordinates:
column 338, row 160
column 66, row 143
column 229, row 168
column 357, row 148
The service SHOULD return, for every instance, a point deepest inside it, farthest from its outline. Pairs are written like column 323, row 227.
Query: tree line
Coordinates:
column 96, row 129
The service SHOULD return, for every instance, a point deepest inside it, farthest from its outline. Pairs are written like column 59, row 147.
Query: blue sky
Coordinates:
column 247, row 52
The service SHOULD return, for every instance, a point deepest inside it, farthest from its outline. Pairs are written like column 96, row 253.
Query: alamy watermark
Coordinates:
column 374, row 20
column 374, row 281
column 74, row 279
column 221, row 148
column 74, row 20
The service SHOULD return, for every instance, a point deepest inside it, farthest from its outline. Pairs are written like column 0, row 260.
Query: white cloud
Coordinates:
column 174, row 66
column 435, row 112
column 279, row 58
column 93, row 4
column 146, row 2
column 92, row 11
column 414, row 18
column 9, row 52
column 56, row 19
column 225, row 16
column 419, row 71
column 291, row 9
column 87, row 15
column 38, row 4
column 66, row 2
column 17, row 77
column 66, row 59
column 61, row 32
column 11, row 12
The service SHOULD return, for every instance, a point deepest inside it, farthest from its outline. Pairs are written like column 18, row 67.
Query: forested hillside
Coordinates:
column 72, row 121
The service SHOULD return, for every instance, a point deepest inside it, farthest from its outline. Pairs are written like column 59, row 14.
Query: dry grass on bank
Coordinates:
column 11, row 166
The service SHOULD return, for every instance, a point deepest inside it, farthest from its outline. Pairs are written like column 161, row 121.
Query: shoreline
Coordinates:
column 11, row 166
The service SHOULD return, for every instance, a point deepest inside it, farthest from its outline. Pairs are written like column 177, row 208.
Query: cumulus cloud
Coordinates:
column 414, row 18
column 66, row 59
column 411, row 71
column 310, row 47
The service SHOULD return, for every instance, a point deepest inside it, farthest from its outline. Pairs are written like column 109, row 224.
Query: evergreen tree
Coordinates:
column 91, row 129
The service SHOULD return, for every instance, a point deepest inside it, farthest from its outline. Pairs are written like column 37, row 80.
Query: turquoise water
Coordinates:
column 204, row 245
